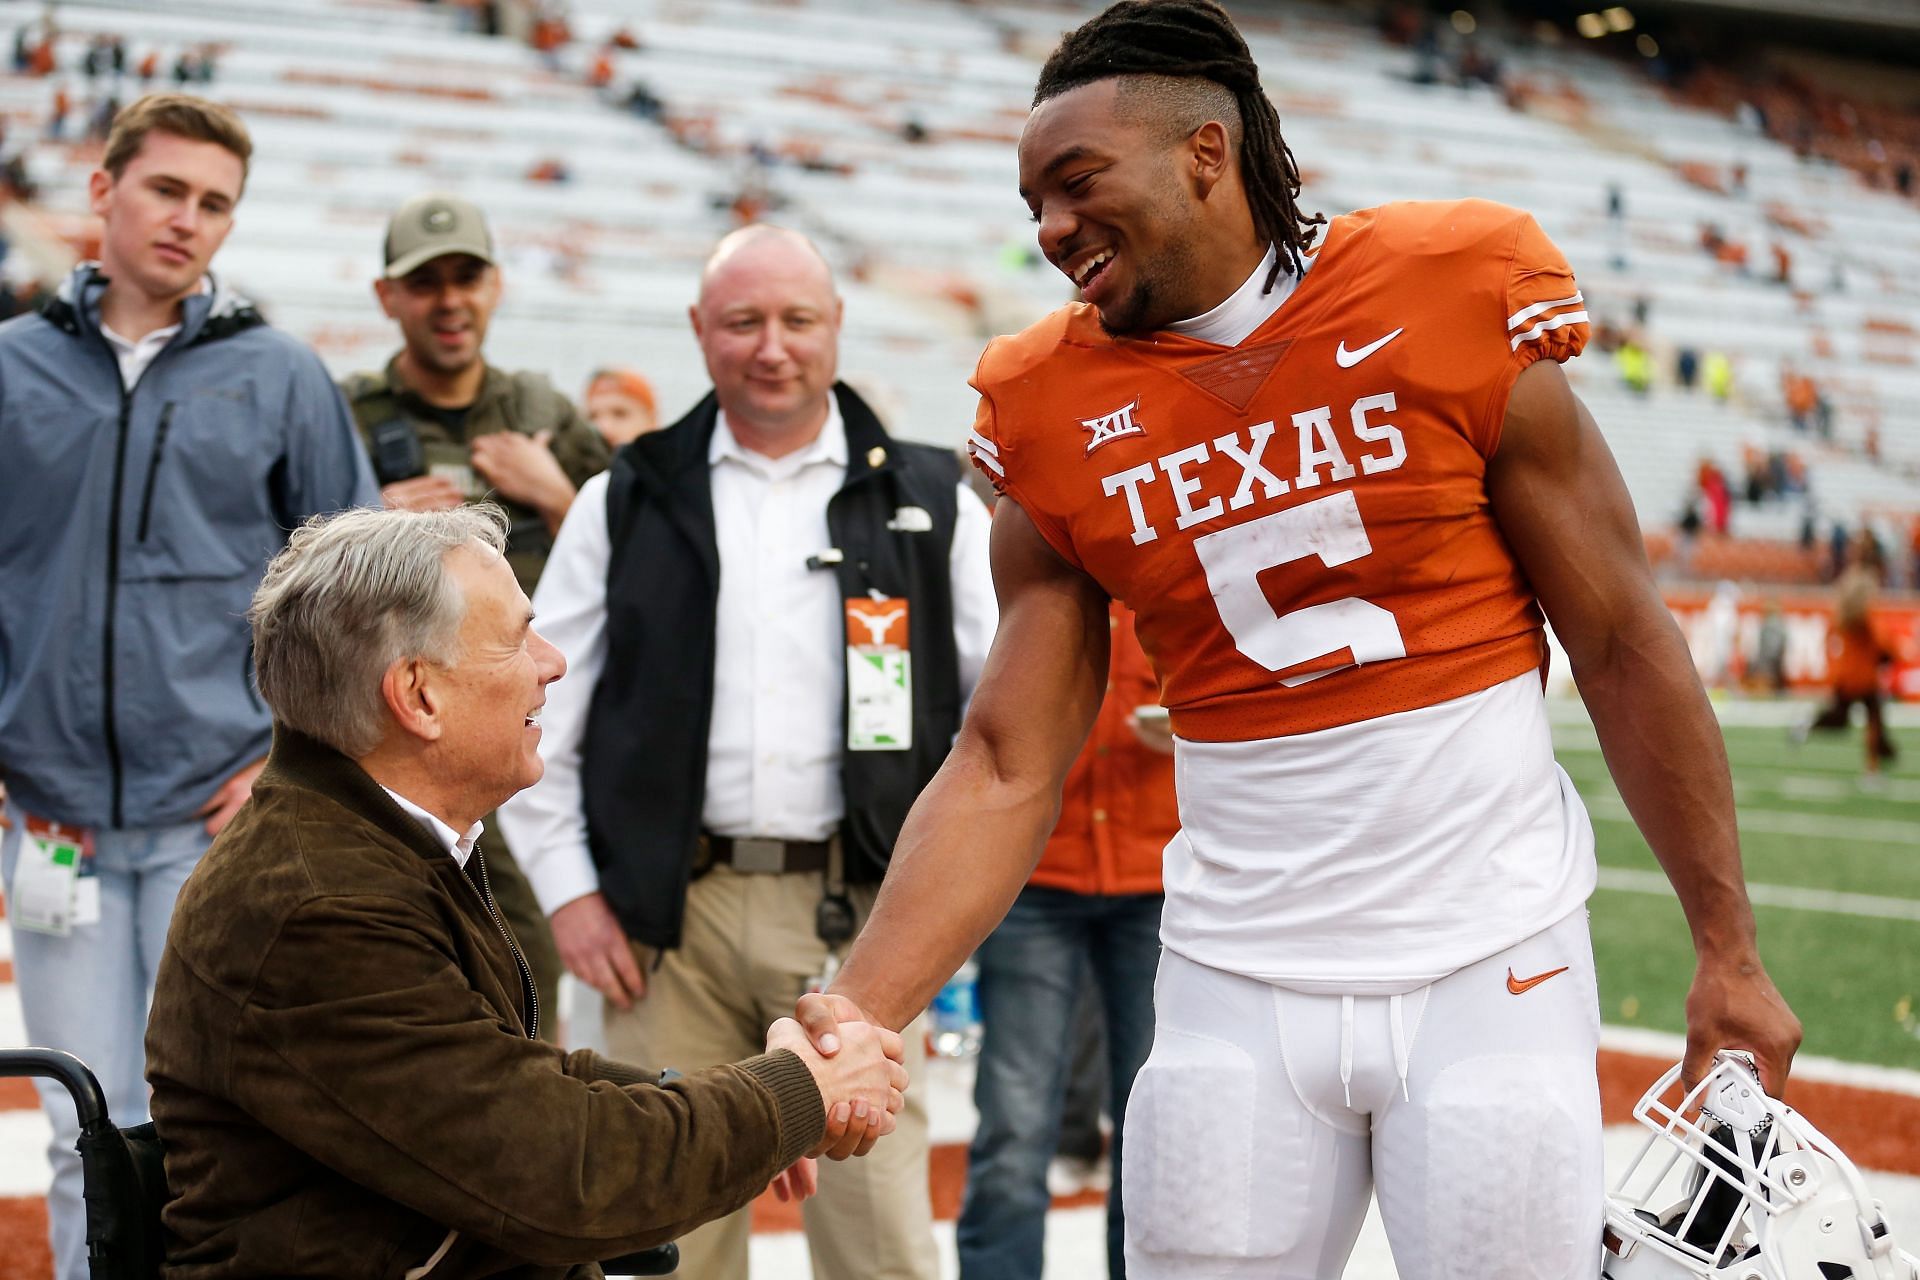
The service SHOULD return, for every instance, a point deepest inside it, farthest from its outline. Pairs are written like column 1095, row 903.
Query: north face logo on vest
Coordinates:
column 1109, row 427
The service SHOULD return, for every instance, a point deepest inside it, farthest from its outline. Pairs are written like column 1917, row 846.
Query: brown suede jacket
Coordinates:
column 346, row 1088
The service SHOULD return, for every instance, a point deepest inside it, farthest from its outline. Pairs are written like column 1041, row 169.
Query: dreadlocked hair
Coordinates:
column 1195, row 39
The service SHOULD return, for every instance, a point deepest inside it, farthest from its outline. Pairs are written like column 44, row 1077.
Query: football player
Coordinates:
column 1338, row 477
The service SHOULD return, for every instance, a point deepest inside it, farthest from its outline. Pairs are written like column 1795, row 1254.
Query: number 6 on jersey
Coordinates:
column 1329, row 528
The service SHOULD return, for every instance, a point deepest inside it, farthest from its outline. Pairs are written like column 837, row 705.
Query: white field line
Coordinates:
column 24, row 1136
column 1782, row 822
column 1669, row 1048
column 1792, row 897
column 1744, row 712
column 1775, row 779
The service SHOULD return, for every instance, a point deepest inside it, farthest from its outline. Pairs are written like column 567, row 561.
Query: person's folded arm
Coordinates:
column 388, row 1067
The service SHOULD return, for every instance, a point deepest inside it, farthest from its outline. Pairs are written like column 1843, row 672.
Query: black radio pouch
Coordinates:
column 396, row 451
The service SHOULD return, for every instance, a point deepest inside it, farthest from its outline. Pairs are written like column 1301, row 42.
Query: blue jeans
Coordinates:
column 1031, row 969
column 88, row 993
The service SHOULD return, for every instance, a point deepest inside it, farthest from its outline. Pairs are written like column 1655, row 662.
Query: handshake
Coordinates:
column 860, row 1070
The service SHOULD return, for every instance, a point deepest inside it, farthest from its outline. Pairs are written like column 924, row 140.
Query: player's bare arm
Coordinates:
column 1559, row 499
column 975, row 833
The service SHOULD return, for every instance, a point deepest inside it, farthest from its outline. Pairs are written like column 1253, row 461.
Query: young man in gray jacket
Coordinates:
column 160, row 440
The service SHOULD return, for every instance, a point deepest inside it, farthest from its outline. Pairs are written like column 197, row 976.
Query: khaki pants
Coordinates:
column 748, row 952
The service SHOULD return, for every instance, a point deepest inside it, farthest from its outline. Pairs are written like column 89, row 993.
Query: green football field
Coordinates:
column 1834, row 871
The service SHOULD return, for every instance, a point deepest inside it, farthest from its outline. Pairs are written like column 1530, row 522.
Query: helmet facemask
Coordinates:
column 1734, row 1185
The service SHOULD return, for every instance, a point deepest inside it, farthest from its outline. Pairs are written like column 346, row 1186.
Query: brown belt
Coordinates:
column 757, row 856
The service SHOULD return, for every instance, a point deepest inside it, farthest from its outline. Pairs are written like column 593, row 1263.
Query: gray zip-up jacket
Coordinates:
column 134, row 527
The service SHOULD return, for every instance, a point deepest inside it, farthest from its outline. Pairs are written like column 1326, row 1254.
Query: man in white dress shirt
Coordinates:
column 774, row 613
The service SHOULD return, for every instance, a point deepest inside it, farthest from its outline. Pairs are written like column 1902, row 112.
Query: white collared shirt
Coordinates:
column 773, row 751
column 459, row 847
column 779, row 716
column 135, row 354
column 1246, row 308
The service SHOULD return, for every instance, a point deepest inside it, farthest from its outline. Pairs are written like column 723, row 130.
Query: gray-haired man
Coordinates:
column 341, row 1030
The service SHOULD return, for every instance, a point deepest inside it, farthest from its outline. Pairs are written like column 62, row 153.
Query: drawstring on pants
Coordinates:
column 1346, row 1047
column 1396, row 1020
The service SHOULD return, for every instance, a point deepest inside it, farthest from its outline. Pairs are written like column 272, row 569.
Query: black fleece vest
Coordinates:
column 644, row 759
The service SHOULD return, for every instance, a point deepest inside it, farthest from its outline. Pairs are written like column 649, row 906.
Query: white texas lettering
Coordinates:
column 1184, row 485
column 1130, row 481
column 1198, row 489
column 1318, row 448
column 1371, row 463
column 1251, row 468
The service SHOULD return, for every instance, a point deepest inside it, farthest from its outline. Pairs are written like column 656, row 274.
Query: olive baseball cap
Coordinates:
column 432, row 226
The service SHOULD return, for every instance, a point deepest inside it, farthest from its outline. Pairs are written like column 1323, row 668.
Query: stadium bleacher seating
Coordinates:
column 806, row 108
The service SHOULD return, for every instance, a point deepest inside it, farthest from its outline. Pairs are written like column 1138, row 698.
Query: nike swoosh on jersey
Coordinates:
column 1520, row 986
column 1347, row 359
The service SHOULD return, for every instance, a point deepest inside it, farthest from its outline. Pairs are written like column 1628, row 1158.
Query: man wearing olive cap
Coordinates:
column 444, row 427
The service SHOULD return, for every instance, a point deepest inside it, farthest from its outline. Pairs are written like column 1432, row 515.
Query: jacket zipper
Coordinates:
column 114, row 763
column 526, row 974
column 153, row 468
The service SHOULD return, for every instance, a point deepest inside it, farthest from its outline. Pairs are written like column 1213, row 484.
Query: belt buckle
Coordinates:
column 759, row 856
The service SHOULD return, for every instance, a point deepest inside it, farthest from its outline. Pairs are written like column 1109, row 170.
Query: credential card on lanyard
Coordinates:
column 46, row 882
column 879, row 675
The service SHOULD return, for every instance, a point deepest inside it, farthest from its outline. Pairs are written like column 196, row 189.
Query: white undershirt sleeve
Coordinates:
column 976, row 611
column 546, row 825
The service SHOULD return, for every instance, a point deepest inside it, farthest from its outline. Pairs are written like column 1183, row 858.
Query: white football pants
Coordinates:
column 1264, row 1116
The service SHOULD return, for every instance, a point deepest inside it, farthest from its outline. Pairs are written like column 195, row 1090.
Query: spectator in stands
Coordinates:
column 620, row 405
column 341, row 1047
column 445, row 427
column 149, row 67
column 1856, row 652
column 1095, row 895
column 95, row 61
column 1714, row 494
column 1800, row 395
column 100, row 121
column 1686, row 367
column 189, row 438
column 1635, row 366
column 1758, row 483
column 57, row 118
column 23, row 48
column 600, row 72
column 1717, row 372
column 714, row 820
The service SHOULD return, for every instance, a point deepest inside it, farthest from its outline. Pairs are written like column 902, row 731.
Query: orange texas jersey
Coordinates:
column 1300, row 522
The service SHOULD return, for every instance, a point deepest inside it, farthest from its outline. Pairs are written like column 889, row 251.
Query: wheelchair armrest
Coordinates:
column 661, row 1261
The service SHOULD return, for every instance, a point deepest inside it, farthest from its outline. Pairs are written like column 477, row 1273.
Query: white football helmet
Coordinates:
column 1734, row 1185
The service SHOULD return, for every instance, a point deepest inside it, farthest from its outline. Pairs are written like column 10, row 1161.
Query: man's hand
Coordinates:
column 820, row 1014
column 797, row 1182
column 524, row 469
column 595, row 950
column 863, row 1083
column 422, row 493
column 1734, row 1005
column 219, row 810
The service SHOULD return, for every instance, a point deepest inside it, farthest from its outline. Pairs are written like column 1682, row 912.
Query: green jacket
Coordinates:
column 342, row 1077
column 525, row 402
